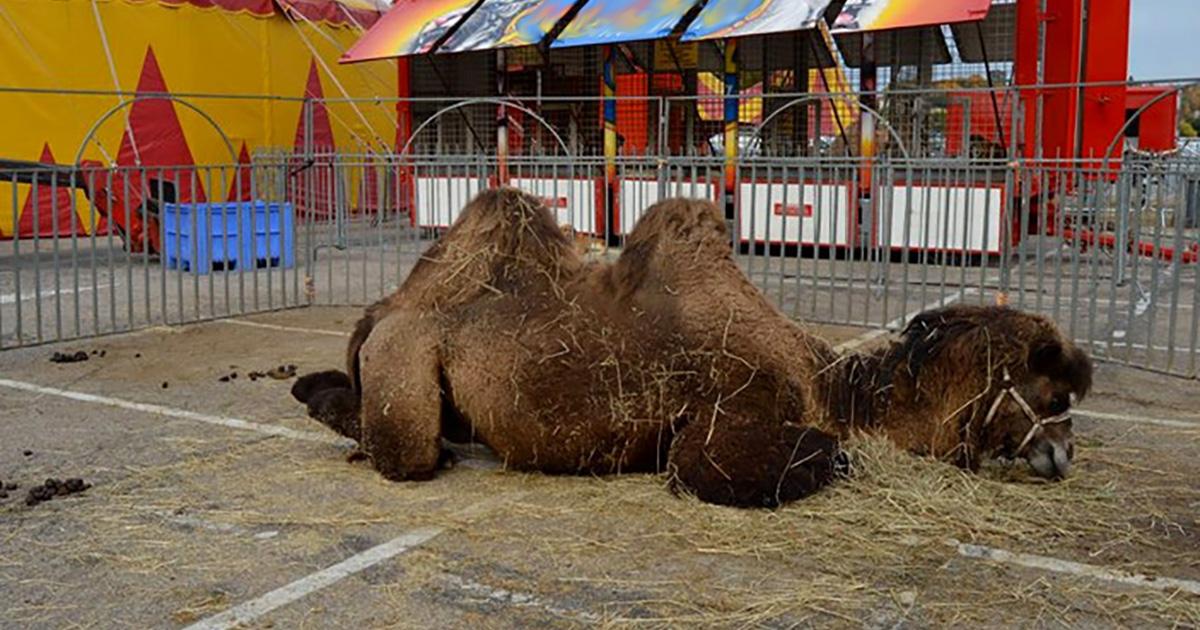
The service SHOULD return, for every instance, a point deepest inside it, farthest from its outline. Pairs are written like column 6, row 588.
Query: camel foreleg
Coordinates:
column 402, row 400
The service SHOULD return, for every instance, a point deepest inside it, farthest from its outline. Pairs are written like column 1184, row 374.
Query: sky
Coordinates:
column 1164, row 39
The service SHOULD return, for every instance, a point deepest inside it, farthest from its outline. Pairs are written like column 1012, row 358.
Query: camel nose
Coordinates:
column 1051, row 458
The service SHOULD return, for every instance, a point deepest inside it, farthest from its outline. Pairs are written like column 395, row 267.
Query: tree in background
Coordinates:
column 1189, row 111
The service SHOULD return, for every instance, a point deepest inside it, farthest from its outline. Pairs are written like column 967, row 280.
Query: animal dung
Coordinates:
column 279, row 373
column 27, row 453
column 282, row 372
column 228, row 377
column 69, row 357
column 53, row 487
column 165, row 385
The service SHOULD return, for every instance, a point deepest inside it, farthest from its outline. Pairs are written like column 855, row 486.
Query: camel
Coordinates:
column 670, row 360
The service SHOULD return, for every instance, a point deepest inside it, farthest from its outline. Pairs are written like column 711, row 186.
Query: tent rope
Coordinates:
column 289, row 11
column 112, row 70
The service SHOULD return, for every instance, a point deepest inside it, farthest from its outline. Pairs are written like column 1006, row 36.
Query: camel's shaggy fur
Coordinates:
column 668, row 359
column 931, row 390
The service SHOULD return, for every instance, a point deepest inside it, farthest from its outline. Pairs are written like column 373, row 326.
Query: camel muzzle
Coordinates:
column 1049, row 457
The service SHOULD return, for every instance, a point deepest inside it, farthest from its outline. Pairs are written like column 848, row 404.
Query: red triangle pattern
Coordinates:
column 53, row 208
column 158, row 136
column 322, row 129
column 239, row 188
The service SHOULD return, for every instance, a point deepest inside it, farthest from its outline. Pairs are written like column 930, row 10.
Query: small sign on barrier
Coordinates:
column 793, row 210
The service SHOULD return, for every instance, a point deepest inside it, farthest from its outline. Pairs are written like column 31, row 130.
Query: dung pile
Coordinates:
column 55, row 488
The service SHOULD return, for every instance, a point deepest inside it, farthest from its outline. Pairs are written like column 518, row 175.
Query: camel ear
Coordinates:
column 1070, row 364
column 1046, row 358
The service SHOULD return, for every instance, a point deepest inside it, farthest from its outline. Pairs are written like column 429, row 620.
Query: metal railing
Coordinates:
column 1108, row 250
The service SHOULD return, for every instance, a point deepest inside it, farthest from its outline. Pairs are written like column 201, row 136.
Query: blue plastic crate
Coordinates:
column 202, row 237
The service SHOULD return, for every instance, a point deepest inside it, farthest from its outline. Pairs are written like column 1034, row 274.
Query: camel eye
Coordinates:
column 1060, row 403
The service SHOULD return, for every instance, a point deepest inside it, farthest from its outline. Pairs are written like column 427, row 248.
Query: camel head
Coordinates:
column 967, row 382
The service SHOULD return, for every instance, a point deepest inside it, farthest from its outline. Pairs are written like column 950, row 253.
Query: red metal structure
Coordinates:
column 1085, row 41
column 1155, row 128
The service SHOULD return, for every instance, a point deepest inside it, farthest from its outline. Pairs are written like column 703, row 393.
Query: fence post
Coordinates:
column 308, row 185
column 664, row 128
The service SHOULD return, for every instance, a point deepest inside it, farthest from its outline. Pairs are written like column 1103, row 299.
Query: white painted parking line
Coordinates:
column 256, row 608
column 506, row 597
column 13, row 298
column 192, row 522
column 1120, row 417
column 897, row 323
column 232, row 423
column 1181, row 348
column 1046, row 563
column 284, row 595
column 295, row 329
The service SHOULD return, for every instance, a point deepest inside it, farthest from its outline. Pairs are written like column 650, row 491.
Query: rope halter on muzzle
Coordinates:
column 1038, row 424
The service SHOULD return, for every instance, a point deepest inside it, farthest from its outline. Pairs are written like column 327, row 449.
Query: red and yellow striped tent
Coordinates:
column 71, row 69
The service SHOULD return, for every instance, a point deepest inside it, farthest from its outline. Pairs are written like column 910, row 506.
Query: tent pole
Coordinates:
column 609, row 93
column 732, row 91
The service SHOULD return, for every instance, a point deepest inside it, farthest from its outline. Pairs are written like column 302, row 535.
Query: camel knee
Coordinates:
column 750, row 464
column 403, row 443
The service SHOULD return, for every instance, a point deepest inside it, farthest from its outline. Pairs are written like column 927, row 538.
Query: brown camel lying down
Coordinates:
column 671, row 360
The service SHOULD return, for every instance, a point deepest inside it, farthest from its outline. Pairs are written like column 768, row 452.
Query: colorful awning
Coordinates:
column 617, row 21
column 878, row 15
column 420, row 26
column 506, row 23
column 412, row 27
column 739, row 18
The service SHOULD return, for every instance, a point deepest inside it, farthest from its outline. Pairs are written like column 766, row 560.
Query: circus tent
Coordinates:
column 75, row 76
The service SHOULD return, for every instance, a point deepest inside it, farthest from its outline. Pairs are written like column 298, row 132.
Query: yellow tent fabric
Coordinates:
column 51, row 50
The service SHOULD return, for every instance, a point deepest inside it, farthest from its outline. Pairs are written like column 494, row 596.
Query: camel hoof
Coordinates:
column 310, row 384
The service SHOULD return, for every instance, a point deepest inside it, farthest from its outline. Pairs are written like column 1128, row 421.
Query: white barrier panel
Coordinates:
column 943, row 218
column 792, row 214
column 572, row 200
column 637, row 195
column 440, row 199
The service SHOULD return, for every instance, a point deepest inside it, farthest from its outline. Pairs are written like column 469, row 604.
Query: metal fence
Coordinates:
column 1109, row 250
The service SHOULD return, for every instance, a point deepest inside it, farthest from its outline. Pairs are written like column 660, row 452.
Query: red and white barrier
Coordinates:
column 963, row 219
column 791, row 214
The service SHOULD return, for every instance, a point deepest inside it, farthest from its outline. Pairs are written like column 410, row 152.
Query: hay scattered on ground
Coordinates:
column 869, row 549
column 861, row 548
